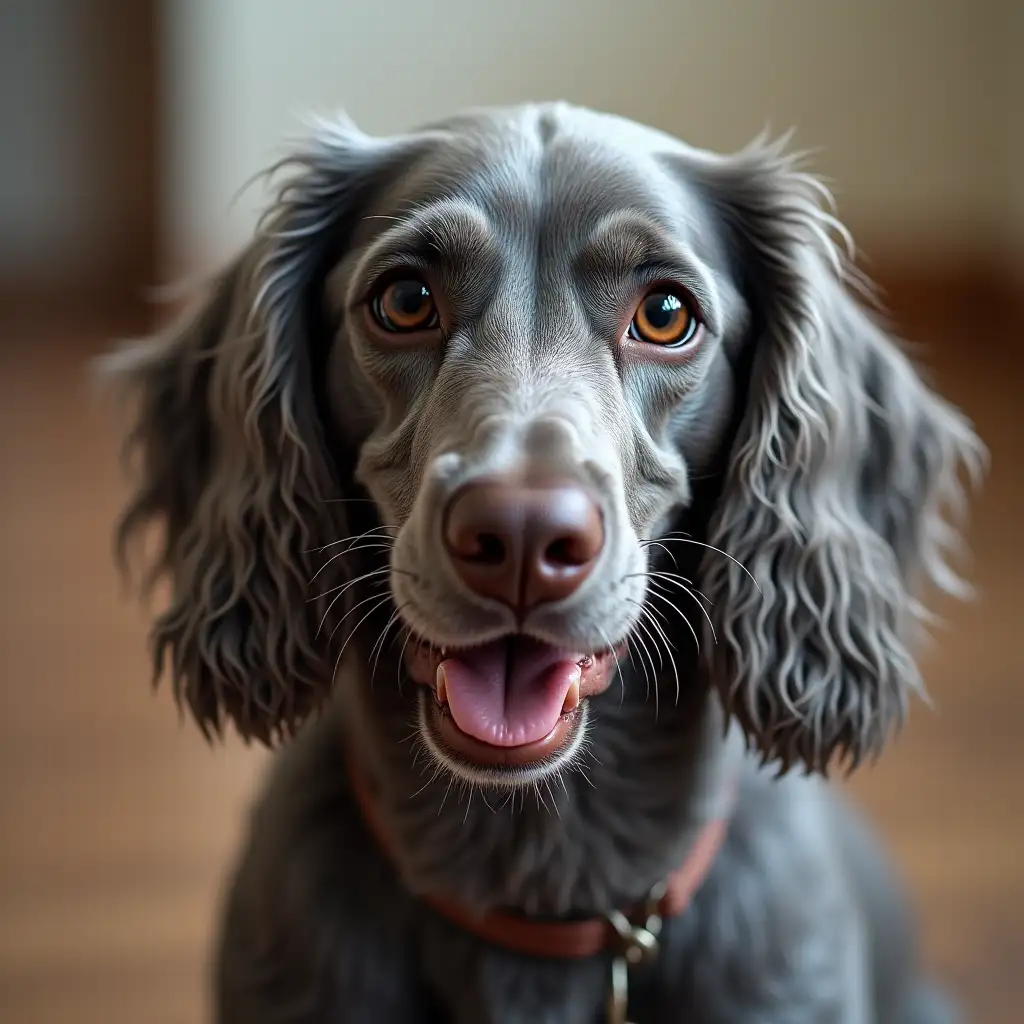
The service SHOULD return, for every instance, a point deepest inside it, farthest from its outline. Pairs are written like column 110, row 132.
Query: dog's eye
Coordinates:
column 665, row 317
column 405, row 305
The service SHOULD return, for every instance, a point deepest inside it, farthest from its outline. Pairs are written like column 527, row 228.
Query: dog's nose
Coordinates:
column 522, row 544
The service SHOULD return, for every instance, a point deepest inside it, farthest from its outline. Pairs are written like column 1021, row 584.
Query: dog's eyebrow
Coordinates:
column 629, row 244
column 447, row 234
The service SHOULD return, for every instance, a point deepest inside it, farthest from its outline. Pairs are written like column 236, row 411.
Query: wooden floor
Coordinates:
column 116, row 823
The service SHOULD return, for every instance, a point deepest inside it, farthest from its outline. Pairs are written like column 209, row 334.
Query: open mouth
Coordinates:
column 514, row 701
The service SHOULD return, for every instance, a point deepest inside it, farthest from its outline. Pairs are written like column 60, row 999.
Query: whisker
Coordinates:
column 407, row 629
column 680, row 581
column 379, row 598
column 643, row 650
column 401, row 657
column 337, row 661
column 704, row 611
column 658, row 587
column 379, row 645
column 381, row 602
column 348, row 551
column 632, row 664
column 671, row 538
column 371, row 544
column 668, row 646
column 661, row 665
column 373, row 531
column 554, row 799
column 658, row 544
column 681, row 614
column 682, row 584
column 433, row 778
column 382, row 636
column 411, row 738
column 365, row 600
column 538, row 795
column 340, row 554
column 341, row 591
column 640, row 622
column 671, row 577
column 344, row 586
column 451, row 780
column 386, row 568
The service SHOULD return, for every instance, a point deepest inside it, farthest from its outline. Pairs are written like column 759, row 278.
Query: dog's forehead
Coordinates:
column 557, row 170
column 548, row 121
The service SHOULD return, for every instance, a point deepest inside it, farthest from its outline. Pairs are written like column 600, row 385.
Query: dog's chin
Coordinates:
column 509, row 712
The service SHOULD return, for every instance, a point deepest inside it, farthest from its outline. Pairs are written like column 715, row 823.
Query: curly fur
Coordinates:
column 806, row 448
column 232, row 465
column 842, row 476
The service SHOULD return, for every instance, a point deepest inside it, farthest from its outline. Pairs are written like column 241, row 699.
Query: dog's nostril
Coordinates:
column 567, row 552
column 490, row 550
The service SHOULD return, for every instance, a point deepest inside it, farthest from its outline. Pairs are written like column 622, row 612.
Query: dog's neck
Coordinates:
column 599, row 836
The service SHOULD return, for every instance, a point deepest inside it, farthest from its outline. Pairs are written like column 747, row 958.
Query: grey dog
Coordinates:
column 560, row 476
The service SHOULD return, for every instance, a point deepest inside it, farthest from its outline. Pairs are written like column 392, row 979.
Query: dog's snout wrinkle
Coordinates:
column 523, row 543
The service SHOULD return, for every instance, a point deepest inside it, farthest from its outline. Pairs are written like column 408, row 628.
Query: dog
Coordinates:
column 552, row 493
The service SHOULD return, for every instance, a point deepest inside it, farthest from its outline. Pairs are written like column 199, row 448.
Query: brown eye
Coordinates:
column 664, row 318
column 404, row 306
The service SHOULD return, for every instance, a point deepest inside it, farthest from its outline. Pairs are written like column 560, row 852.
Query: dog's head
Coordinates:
column 466, row 385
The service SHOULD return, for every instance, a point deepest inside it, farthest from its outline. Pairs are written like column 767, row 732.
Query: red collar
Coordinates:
column 618, row 932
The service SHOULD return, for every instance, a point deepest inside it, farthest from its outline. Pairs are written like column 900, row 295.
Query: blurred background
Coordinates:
column 127, row 127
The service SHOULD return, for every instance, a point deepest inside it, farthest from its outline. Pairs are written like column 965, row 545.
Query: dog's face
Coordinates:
column 526, row 334
column 542, row 363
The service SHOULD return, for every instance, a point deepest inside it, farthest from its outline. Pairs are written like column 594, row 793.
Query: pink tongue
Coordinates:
column 509, row 692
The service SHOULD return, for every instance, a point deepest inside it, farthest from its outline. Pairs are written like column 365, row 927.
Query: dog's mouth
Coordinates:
column 513, row 701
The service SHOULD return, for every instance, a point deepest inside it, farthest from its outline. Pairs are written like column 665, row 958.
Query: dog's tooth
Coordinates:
column 441, row 685
column 572, row 698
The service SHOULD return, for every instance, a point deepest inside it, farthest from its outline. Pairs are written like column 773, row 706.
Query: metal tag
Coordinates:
column 638, row 945
column 618, row 997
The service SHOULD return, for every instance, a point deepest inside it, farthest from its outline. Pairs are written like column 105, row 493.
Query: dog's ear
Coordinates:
column 842, row 493
column 229, row 449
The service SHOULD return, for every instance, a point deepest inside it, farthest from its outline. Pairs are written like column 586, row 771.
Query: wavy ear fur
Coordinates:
column 843, row 486
column 232, row 463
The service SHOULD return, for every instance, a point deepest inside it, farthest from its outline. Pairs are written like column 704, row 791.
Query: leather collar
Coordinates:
column 548, row 938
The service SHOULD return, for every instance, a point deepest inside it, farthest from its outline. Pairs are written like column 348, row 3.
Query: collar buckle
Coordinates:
column 637, row 944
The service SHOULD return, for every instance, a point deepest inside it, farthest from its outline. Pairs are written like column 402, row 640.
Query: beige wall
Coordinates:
column 906, row 99
column 1013, row 128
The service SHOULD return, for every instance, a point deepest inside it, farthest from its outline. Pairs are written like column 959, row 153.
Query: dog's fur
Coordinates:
column 796, row 468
